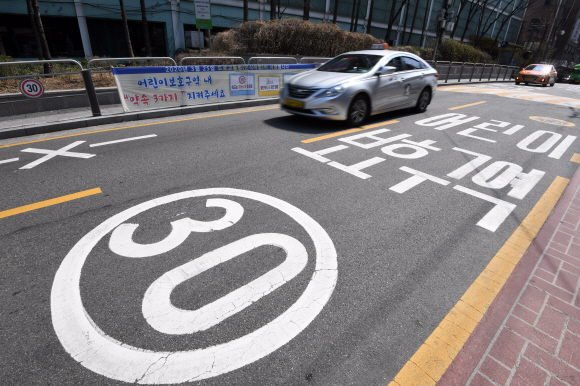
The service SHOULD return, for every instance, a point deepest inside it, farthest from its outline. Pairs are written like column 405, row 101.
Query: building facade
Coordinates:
column 80, row 28
column 552, row 26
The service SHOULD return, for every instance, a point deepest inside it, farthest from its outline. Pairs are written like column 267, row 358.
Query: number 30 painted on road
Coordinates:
column 86, row 343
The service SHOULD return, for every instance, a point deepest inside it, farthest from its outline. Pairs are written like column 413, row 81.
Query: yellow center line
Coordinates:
column 348, row 132
column 143, row 124
column 54, row 201
column 471, row 104
column 433, row 358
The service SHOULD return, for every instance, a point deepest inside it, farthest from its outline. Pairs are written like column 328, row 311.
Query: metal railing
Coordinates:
column 258, row 59
column 314, row 60
column 41, row 62
column 448, row 71
column 212, row 57
column 472, row 71
column 86, row 74
column 156, row 58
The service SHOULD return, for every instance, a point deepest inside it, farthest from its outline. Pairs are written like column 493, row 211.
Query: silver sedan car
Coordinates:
column 355, row 85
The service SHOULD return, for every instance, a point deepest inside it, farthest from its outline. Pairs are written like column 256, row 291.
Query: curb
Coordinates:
column 128, row 117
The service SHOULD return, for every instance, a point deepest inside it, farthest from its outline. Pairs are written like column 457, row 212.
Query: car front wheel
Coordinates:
column 358, row 111
column 423, row 101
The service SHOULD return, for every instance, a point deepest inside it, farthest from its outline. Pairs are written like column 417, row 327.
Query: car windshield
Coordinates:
column 538, row 67
column 351, row 63
column 576, row 71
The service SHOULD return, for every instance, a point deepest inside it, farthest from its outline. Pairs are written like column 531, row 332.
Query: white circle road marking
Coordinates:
column 97, row 351
column 121, row 241
column 166, row 318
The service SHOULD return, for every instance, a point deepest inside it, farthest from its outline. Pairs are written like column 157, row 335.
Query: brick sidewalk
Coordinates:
column 531, row 333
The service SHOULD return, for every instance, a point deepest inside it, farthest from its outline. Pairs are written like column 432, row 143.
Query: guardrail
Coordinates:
column 469, row 71
column 212, row 57
column 87, row 79
column 155, row 58
column 448, row 71
column 258, row 59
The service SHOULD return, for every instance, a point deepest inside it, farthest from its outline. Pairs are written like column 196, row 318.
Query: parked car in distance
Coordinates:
column 544, row 74
column 358, row 84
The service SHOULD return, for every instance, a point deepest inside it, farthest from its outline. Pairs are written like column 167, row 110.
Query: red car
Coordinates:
column 544, row 74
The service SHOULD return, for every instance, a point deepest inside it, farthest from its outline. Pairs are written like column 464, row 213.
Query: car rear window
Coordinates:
column 354, row 63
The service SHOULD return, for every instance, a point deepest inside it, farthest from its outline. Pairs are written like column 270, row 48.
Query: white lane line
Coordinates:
column 9, row 160
column 122, row 140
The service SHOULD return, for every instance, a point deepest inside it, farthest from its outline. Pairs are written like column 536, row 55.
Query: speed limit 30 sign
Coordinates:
column 31, row 88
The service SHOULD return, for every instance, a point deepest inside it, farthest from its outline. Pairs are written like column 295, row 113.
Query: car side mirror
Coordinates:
column 386, row 70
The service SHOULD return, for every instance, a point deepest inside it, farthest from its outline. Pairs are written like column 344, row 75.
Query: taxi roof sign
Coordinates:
column 380, row 46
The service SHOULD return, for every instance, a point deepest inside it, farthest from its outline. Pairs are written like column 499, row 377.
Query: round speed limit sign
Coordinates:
column 31, row 88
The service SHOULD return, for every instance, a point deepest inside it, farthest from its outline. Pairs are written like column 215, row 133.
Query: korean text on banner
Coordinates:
column 144, row 88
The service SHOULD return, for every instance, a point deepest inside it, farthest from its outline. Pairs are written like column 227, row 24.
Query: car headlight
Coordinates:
column 331, row 92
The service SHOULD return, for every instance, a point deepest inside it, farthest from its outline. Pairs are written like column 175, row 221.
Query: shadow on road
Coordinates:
column 308, row 125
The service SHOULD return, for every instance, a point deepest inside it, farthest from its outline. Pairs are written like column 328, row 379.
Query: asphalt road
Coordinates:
column 340, row 263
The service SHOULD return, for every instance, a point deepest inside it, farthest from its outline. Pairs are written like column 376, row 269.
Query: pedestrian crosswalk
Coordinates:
column 542, row 95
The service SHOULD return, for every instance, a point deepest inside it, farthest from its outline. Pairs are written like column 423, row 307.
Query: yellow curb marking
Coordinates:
column 471, row 104
column 144, row 124
column 429, row 363
column 54, row 201
column 575, row 158
column 552, row 121
column 348, row 131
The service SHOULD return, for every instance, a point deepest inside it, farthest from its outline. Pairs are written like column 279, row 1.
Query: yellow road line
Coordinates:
column 554, row 101
column 575, row 158
column 533, row 96
column 144, row 124
column 471, row 104
column 348, row 131
column 433, row 358
column 509, row 93
column 54, row 201
column 488, row 90
column 455, row 88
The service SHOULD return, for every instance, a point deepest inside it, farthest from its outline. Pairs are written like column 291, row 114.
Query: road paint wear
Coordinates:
column 552, row 121
column 53, row 153
column 54, row 201
column 433, row 358
column 97, row 351
column 122, row 140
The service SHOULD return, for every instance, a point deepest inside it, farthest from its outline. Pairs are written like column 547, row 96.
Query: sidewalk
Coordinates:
column 57, row 120
column 531, row 333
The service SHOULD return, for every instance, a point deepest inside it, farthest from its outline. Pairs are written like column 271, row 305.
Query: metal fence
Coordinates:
column 448, row 71
column 458, row 71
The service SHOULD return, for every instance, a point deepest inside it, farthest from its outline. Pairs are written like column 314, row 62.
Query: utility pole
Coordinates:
column 549, row 42
column 443, row 17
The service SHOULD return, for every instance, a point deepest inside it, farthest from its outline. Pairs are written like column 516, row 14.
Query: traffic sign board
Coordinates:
column 31, row 88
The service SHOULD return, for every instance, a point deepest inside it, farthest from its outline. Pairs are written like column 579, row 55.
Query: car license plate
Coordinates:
column 293, row 103
column 529, row 77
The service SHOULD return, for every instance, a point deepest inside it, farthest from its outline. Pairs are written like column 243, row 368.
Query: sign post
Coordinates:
column 203, row 17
